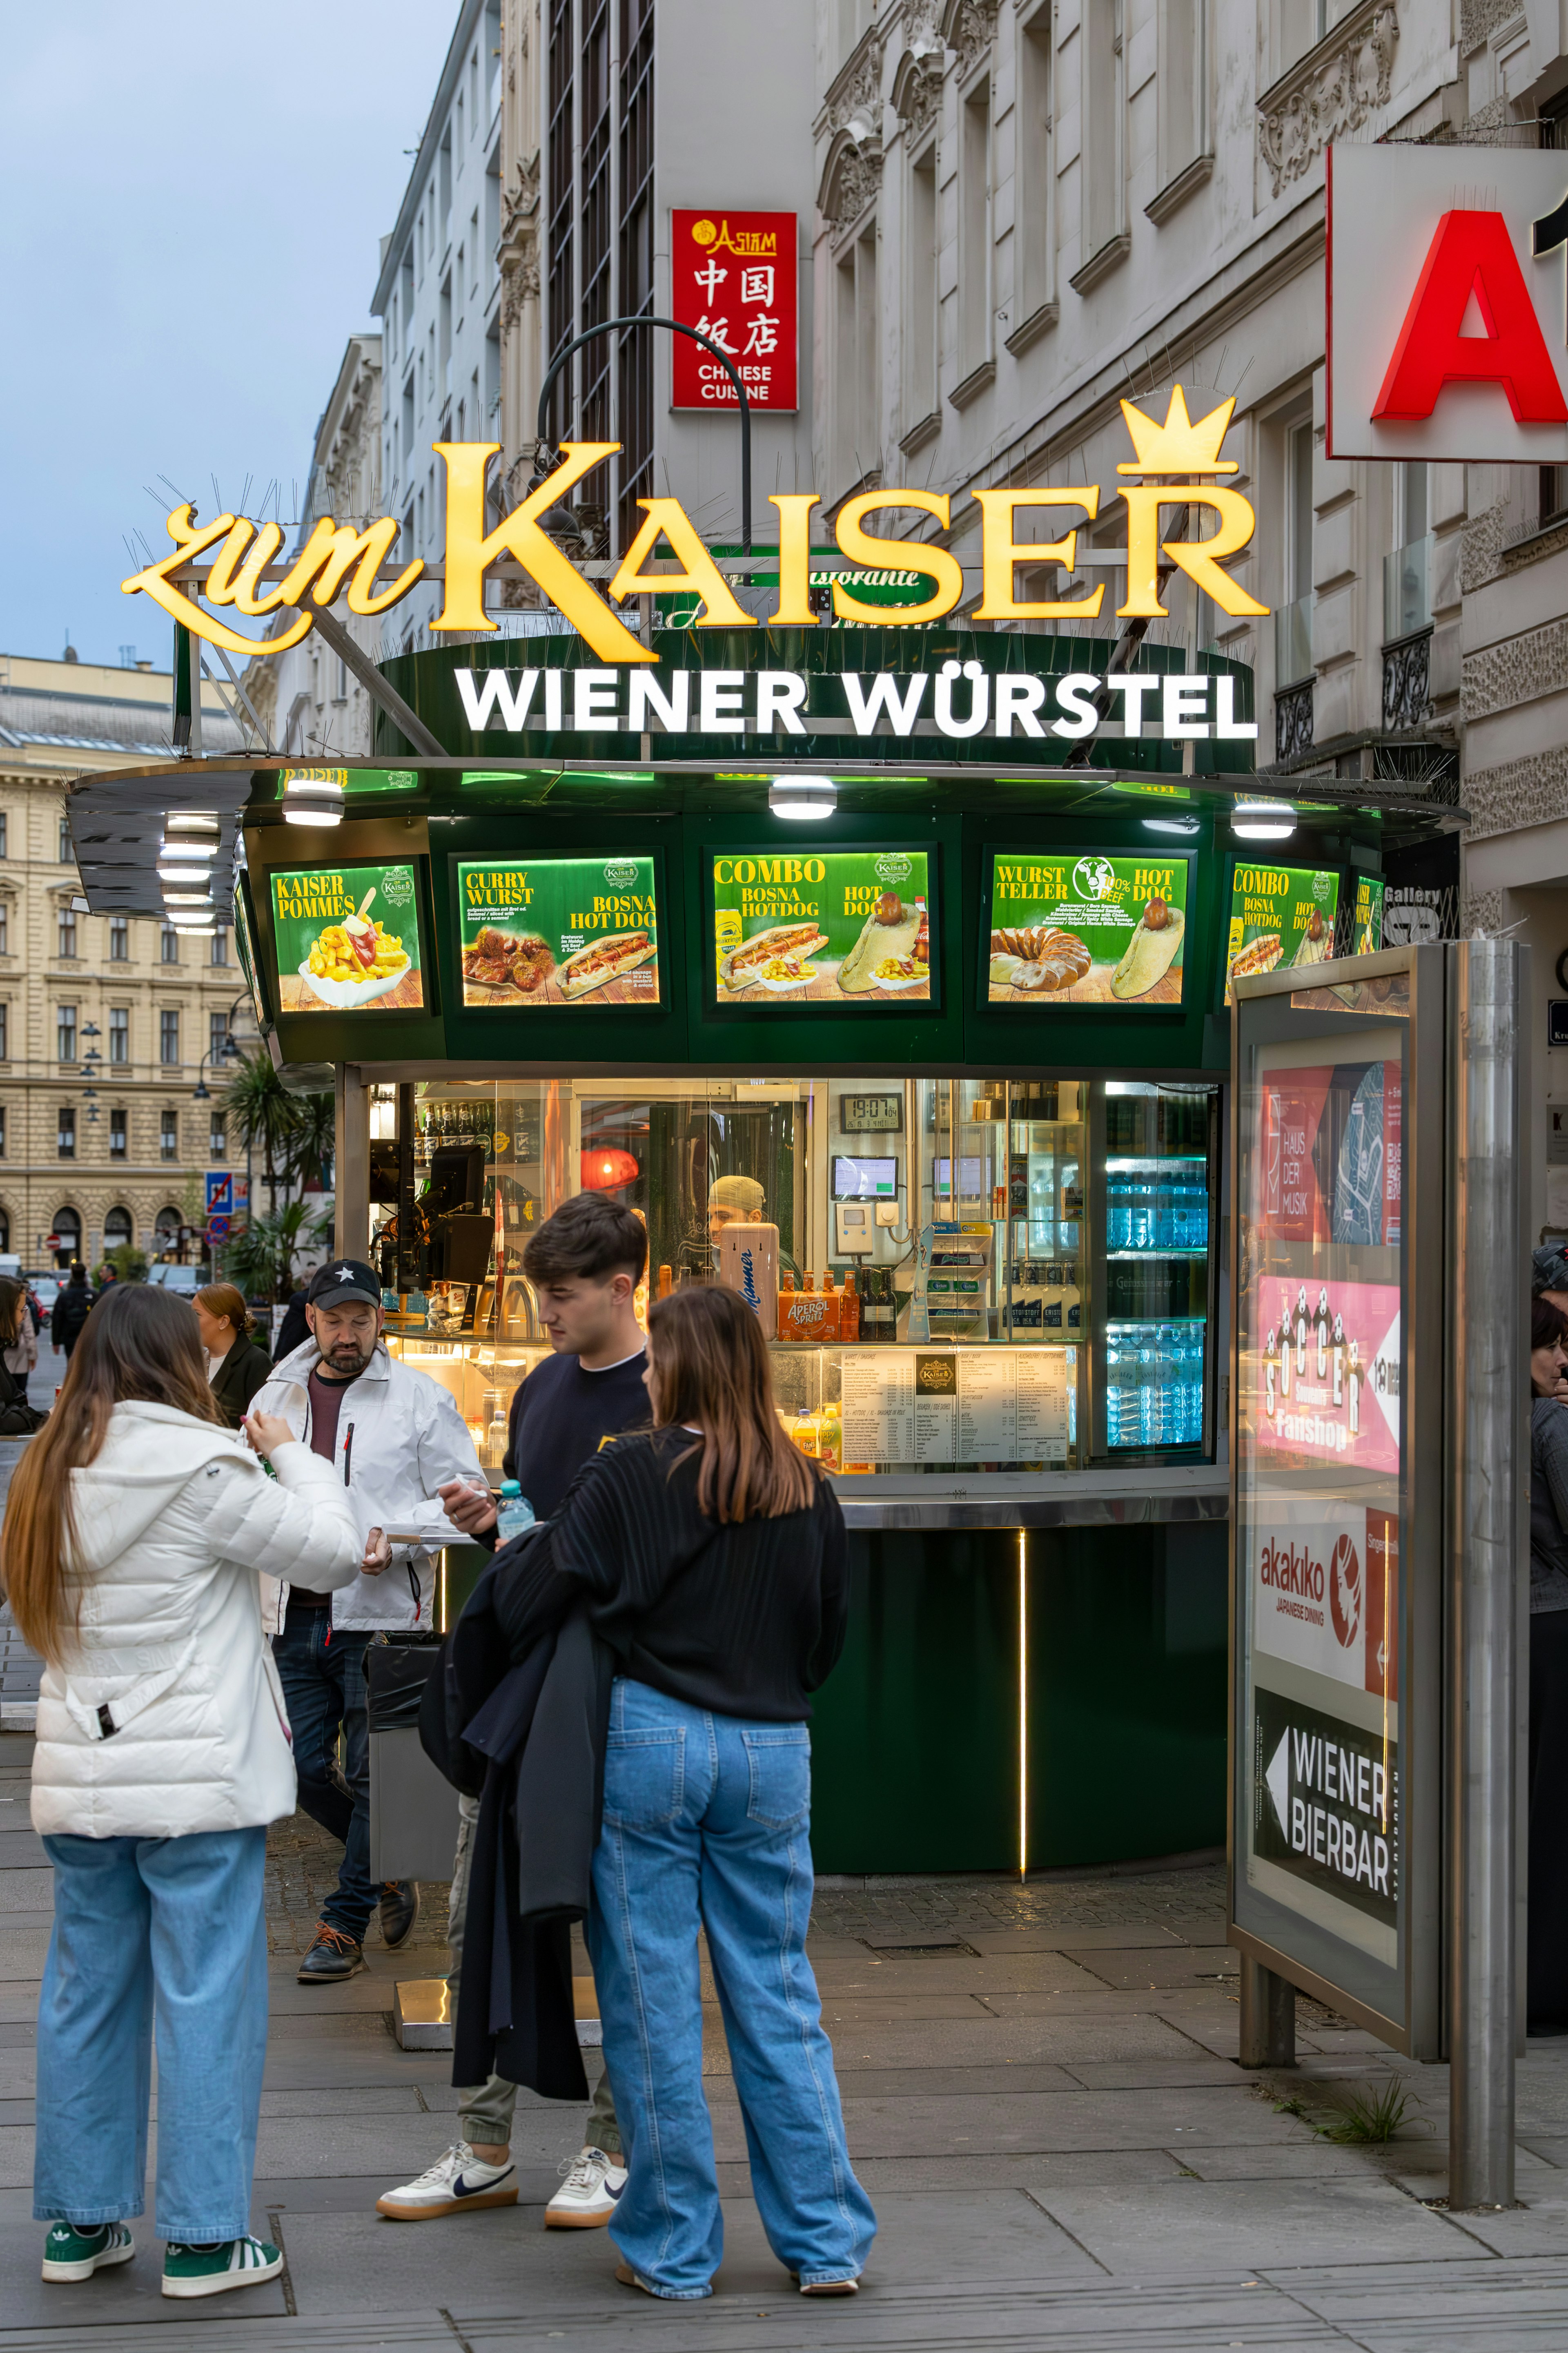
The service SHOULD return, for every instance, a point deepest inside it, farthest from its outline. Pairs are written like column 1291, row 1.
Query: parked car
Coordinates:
column 45, row 1289
column 185, row 1279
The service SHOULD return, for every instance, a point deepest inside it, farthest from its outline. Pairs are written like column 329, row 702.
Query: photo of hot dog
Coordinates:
column 747, row 964
column 602, row 960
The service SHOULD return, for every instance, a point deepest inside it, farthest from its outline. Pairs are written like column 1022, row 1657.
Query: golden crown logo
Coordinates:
column 1179, row 446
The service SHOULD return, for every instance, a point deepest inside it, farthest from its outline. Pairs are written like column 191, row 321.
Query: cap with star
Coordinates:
column 342, row 1280
column 1549, row 1269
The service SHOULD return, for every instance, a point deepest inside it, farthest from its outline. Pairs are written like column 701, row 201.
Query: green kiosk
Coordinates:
column 815, row 948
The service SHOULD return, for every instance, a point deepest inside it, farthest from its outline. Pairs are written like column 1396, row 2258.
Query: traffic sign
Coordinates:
column 217, row 1229
column 220, row 1192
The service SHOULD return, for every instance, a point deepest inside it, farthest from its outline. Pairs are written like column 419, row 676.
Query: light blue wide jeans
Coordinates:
column 707, row 1818
column 165, row 1931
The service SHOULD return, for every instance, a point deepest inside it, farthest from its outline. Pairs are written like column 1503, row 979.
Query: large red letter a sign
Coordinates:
column 1472, row 252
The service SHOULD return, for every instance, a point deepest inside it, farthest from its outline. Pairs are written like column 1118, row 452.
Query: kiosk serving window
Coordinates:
column 955, row 1275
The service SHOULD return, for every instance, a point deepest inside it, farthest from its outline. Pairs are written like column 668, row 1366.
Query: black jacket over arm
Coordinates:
column 525, row 1734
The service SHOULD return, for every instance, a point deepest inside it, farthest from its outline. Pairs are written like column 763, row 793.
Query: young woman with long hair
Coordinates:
column 711, row 1556
column 135, row 1528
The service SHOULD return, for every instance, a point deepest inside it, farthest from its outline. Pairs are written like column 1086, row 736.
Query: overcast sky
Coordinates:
column 192, row 200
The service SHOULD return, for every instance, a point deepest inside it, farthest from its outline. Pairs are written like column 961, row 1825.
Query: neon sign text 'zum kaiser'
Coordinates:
column 241, row 552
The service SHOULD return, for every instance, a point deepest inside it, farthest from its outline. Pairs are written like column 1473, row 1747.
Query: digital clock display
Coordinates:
column 870, row 1114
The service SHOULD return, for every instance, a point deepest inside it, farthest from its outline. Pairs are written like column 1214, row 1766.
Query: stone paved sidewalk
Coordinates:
column 1041, row 2097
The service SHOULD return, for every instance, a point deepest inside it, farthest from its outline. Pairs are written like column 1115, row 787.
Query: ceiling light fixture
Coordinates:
column 1254, row 821
column 313, row 800
column 803, row 800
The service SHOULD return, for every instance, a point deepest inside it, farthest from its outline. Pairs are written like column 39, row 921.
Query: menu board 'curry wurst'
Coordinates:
column 558, row 930
column 1088, row 929
column 850, row 928
column 347, row 940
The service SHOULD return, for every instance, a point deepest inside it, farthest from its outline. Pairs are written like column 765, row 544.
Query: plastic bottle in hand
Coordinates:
column 515, row 1514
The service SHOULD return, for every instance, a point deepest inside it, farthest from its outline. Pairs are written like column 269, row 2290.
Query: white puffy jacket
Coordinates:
column 168, row 1717
column 400, row 1437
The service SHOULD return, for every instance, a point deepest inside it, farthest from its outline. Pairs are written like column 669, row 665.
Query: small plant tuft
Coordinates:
column 1371, row 2115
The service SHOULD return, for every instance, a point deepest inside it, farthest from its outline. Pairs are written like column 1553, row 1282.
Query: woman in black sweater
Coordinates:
column 712, row 1556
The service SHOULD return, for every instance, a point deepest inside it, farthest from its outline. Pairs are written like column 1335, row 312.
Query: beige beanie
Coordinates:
column 741, row 1193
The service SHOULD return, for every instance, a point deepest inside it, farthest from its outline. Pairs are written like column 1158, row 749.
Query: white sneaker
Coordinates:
column 586, row 2198
column 454, row 2184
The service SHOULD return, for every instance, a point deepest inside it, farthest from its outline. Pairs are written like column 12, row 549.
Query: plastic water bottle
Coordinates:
column 516, row 1513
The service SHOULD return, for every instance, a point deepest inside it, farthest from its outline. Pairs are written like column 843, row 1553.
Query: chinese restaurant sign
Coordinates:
column 1087, row 930
column 1278, row 914
column 846, row 929
column 348, row 940
column 243, row 568
column 558, row 931
column 732, row 277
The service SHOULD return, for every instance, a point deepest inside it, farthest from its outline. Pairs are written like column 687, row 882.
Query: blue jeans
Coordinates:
column 165, row 1930
column 322, row 1675
column 707, row 1818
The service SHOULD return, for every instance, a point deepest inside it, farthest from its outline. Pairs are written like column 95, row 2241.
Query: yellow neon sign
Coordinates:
column 241, row 551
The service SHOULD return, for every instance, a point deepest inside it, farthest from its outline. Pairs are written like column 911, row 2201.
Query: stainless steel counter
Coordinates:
column 1073, row 1499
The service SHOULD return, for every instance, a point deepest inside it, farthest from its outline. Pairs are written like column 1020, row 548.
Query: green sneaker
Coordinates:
column 73, row 2254
column 207, row 2271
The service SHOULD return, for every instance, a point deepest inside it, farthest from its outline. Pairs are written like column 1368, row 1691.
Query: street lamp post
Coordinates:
column 676, row 327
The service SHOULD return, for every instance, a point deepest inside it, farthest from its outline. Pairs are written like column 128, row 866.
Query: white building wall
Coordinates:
column 1030, row 211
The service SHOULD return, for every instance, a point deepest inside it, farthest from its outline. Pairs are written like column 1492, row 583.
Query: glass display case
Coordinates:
column 1009, row 1276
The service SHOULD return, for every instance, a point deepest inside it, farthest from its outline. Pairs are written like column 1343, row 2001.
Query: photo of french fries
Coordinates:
column 340, row 954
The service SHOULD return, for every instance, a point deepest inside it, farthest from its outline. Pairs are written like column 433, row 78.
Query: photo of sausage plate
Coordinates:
column 558, row 931
column 1087, row 930
column 845, row 927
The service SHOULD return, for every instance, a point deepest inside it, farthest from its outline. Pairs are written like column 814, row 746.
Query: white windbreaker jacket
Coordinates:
column 400, row 1437
column 168, row 1717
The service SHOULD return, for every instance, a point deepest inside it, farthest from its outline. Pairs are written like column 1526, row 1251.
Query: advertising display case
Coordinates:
column 1337, row 1518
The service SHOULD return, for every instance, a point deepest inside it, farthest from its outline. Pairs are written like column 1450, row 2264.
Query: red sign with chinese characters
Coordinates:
column 732, row 277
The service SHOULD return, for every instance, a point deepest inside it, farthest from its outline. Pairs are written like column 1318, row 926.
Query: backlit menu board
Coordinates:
column 1279, row 916
column 850, row 928
column 1086, row 930
column 347, row 939
column 558, row 930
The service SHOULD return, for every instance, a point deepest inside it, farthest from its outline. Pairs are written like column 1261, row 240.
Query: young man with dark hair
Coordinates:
column 584, row 1264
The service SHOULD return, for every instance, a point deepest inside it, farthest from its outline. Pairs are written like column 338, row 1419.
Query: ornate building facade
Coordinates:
column 105, row 1024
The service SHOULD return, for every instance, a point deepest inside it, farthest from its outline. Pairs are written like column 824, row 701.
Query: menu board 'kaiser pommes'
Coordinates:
column 850, row 928
column 1086, row 929
column 348, row 940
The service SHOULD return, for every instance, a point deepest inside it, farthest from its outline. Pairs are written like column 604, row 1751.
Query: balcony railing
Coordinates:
column 1407, row 590
column 1293, row 642
column 1293, row 720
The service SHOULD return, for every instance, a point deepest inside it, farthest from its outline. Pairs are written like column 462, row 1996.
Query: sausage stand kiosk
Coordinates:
column 815, row 957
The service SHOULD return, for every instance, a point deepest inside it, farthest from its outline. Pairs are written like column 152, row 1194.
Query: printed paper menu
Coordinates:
column 955, row 1405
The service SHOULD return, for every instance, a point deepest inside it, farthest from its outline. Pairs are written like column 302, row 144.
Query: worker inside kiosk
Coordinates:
column 733, row 1201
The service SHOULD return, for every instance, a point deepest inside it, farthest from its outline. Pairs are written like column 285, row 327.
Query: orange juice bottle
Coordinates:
column 665, row 1280
column 849, row 1309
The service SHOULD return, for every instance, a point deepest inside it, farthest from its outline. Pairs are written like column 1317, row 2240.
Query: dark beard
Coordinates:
column 338, row 1368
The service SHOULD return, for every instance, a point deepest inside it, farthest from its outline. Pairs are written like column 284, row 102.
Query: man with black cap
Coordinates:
column 396, row 1436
